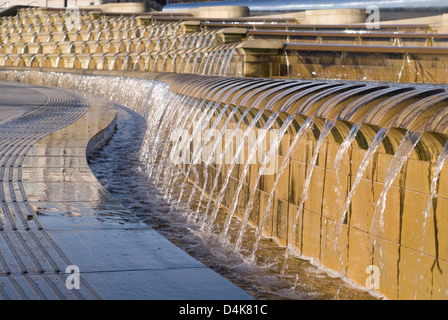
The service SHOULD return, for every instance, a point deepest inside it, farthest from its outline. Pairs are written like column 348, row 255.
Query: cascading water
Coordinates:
column 197, row 129
column 212, row 154
column 323, row 135
column 179, row 146
column 159, row 134
column 181, row 121
column 343, row 149
column 198, row 153
column 402, row 154
column 169, row 171
column 195, row 61
column 153, row 136
column 304, row 129
column 225, row 65
column 212, row 61
column 223, row 188
column 204, row 147
column 376, row 142
column 206, row 224
column 204, row 63
column 185, row 140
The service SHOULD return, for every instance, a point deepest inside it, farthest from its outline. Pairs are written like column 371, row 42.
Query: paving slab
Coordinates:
column 55, row 214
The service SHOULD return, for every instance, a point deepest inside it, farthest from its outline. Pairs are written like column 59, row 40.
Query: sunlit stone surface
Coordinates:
column 54, row 213
column 355, row 121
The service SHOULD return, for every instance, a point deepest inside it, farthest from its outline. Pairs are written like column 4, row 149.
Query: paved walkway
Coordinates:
column 55, row 214
column 16, row 101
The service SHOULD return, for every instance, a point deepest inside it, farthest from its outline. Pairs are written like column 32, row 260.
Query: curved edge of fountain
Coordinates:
column 176, row 81
column 101, row 137
column 117, row 255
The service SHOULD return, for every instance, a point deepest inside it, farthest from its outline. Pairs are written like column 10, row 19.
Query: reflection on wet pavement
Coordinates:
column 32, row 266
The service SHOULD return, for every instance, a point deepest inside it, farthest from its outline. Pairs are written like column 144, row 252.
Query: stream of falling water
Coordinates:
column 118, row 168
column 224, row 186
column 304, row 129
column 253, row 151
column 214, row 155
column 337, row 188
column 134, row 166
column 197, row 152
column 206, row 224
column 323, row 135
column 269, row 159
column 379, row 137
column 441, row 160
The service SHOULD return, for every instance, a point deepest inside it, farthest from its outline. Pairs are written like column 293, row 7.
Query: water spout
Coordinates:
column 432, row 202
column 190, row 111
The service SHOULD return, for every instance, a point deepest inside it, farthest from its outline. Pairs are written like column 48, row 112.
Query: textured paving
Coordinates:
column 32, row 266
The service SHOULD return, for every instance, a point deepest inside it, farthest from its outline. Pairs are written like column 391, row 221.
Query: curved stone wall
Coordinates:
column 332, row 186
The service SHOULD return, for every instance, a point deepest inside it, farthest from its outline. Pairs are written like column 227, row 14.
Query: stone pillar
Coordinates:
column 257, row 58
